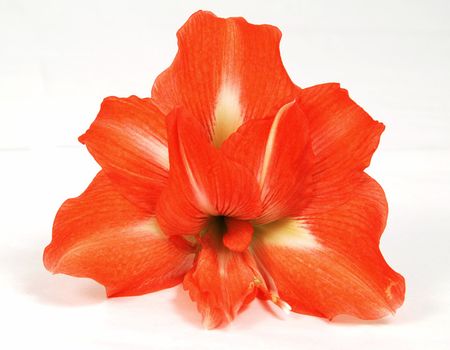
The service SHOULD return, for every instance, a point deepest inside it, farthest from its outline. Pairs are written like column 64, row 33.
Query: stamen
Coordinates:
column 273, row 295
column 281, row 304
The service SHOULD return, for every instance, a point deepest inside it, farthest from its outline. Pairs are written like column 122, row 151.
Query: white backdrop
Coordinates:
column 59, row 59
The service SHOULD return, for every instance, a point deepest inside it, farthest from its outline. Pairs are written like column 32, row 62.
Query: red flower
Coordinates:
column 237, row 183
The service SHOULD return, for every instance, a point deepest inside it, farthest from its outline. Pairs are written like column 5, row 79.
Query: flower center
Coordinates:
column 236, row 234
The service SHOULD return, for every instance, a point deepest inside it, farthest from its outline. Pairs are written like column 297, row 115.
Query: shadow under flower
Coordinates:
column 186, row 307
column 23, row 267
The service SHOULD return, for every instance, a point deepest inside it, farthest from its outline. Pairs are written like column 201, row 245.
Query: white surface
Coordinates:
column 58, row 59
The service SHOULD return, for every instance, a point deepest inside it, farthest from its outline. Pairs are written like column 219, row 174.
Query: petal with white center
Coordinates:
column 103, row 236
column 129, row 141
column 329, row 263
column 226, row 71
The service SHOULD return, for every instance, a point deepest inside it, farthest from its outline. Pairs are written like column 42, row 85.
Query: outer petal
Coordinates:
column 226, row 71
column 222, row 282
column 203, row 182
column 343, row 138
column 102, row 236
column 330, row 263
column 278, row 152
column 128, row 139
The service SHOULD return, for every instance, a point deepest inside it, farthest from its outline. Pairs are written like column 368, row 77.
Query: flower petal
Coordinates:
column 226, row 71
column 203, row 182
column 128, row 139
column 278, row 151
column 343, row 138
column 102, row 236
column 222, row 282
column 330, row 263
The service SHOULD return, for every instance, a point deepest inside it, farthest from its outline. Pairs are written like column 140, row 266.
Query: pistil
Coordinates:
column 238, row 234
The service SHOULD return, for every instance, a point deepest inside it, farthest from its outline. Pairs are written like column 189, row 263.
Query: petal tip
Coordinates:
column 49, row 263
column 83, row 138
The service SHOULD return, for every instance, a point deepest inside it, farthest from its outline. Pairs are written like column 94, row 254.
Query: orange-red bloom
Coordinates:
column 236, row 182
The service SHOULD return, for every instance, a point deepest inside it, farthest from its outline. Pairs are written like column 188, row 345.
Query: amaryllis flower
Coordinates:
column 235, row 182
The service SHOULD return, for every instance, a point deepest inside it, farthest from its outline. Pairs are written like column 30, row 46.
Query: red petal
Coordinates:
column 330, row 263
column 203, row 182
column 102, row 236
column 278, row 151
column 222, row 282
column 343, row 138
column 226, row 71
column 238, row 234
column 128, row 139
